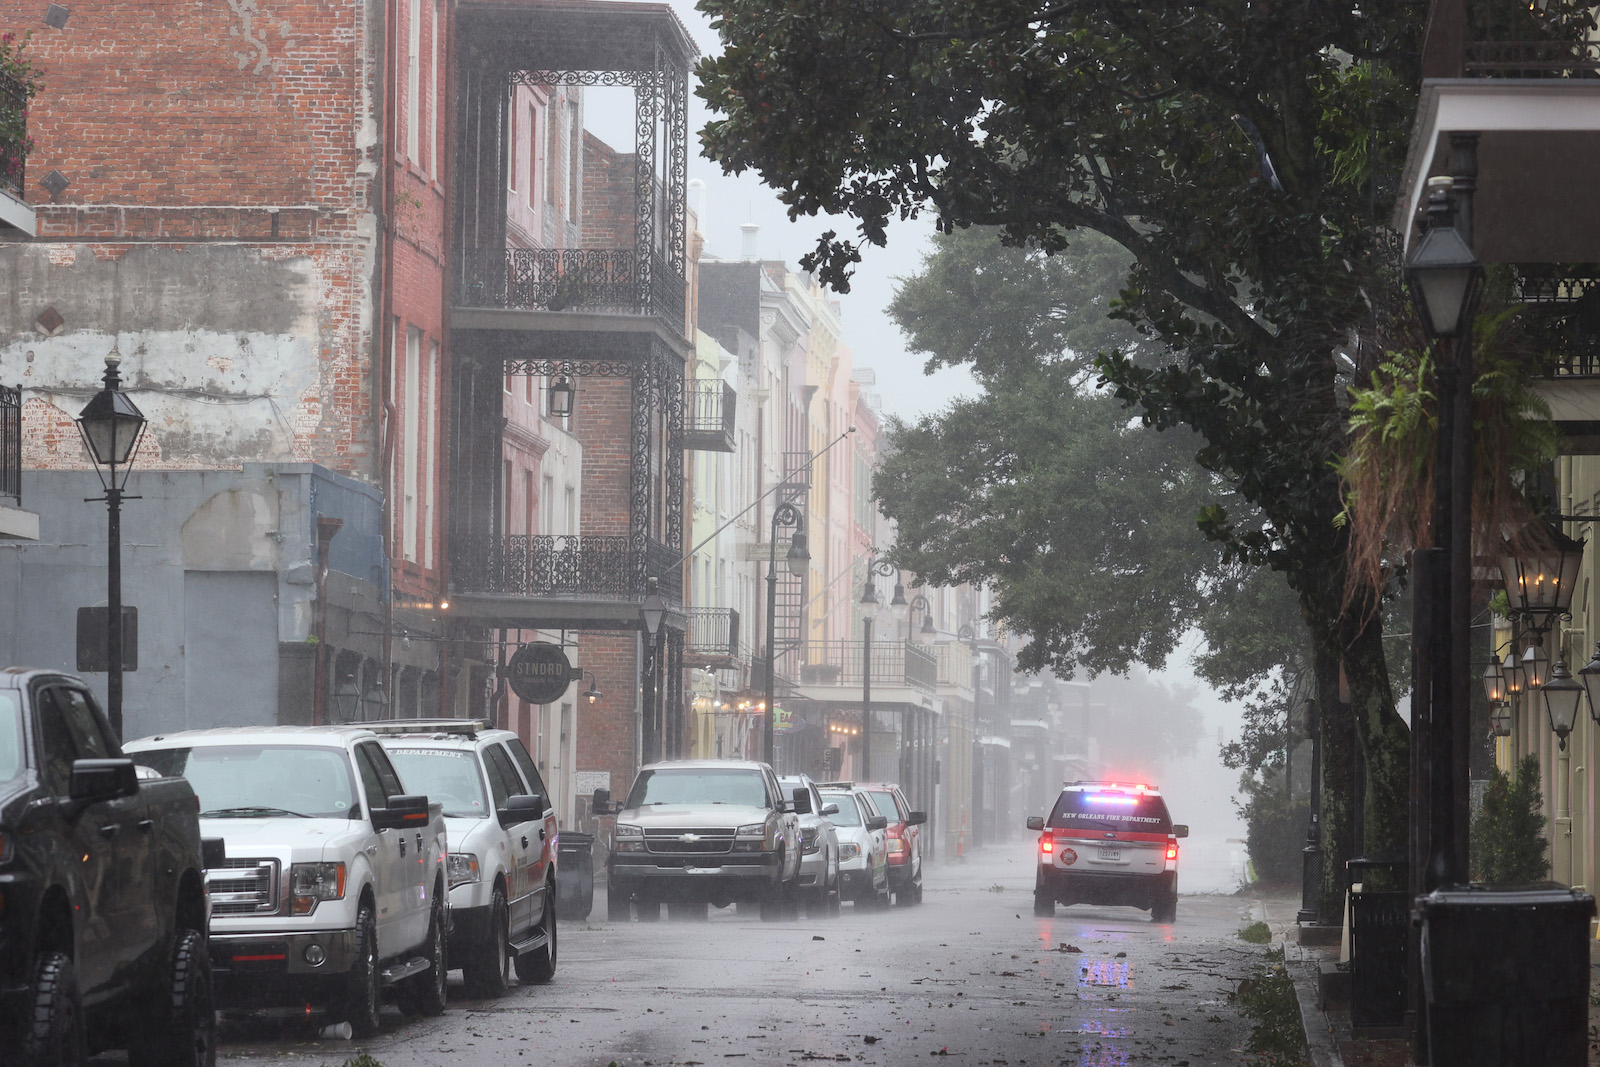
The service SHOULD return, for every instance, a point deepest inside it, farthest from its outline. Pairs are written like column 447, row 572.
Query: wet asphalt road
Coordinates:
column 970, row 977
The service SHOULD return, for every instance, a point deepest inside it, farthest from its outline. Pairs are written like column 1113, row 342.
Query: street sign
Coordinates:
column 93, row 653
column 539, row 672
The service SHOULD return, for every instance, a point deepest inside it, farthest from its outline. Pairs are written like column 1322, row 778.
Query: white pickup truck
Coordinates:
column 334, row 884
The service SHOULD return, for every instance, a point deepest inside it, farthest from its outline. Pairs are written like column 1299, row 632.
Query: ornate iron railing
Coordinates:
column 708, row 416
column 572, row 279
column 536, row 565
column 13, row 147
column 1512, row 39
column 11, row 443
column 954, row 664
column 713, row 635
column 894, row 663
column 797, row 469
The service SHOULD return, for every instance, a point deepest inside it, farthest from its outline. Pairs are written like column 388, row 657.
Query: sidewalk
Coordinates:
column 1329, row 1040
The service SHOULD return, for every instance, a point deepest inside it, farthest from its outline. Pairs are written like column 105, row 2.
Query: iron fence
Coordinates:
column 572, row 279
column 564, row 565
column 1512, row 39
column 14, row 141
column 893, row 663
column 709, row 412
column 713, row 634
column 11, row 443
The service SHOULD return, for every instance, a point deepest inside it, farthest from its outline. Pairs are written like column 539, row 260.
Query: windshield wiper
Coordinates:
column 249, row 813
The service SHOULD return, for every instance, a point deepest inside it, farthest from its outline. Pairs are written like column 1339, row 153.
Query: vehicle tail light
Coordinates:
column 1047, row 846
column 1172, row 852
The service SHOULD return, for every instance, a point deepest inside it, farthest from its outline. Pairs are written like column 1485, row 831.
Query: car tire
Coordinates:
column 184, row 1030
column 617, row 910
column 539, row 966
column 54, row 1033
column 1044, row 905
column 362, row 993
column 486, row 967
column 425, row 992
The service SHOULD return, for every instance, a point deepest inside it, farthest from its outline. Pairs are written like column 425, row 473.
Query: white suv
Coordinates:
column 334, row 882
column 502, row 828
column 1108, row 843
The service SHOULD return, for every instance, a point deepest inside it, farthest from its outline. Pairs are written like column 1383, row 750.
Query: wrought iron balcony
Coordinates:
column 713, row 638
column 13, row 148
column 11, row 443
column 564, row 566
column 708, row 412
column 797, row 470
column 1511, row 39
column 894, row 664
column 601, row 280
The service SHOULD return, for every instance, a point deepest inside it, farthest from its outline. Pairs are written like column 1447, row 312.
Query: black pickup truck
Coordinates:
column 102, row 890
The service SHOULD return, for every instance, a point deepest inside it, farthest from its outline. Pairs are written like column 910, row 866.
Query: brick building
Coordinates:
column 343, row 259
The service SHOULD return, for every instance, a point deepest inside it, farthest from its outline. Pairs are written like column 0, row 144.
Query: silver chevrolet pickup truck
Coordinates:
column 694, row 833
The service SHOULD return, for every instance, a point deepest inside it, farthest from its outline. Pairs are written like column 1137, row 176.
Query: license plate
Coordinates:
column 1111, row 854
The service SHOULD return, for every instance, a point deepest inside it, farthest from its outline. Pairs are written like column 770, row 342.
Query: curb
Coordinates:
column 1320, row 1046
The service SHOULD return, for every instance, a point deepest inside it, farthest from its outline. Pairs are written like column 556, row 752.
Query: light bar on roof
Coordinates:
column 1111, row 798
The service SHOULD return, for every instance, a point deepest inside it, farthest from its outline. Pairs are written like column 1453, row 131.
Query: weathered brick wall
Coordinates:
column 216, row 227
column 602, row 418
column 608, row 201
column 606, row 729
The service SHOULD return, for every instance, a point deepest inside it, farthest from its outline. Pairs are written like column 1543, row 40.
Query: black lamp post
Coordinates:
column 112, row 425
column 787, row 516
column 876, row 568
column 1445, row 277
column 919, row 603
column 651, row 614
column 592, row 694
column 562, row 394
column 968, row 635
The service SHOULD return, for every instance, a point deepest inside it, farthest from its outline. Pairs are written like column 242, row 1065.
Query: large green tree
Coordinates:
column 1243, row 153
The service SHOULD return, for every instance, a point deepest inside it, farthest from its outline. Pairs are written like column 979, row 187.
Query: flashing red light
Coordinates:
column 1172, row 852
column 1047, row 846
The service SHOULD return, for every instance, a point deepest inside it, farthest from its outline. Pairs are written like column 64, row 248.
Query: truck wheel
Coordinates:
column 487, row 965
column 539, row 966
column 54, row 1033
column 617, row 904
column 360, row 1007
column 425, row 992
column 183, row 1031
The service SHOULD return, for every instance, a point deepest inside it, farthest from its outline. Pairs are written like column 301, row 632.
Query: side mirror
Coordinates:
column 404, row 810
column 94, row 780
column 916, row 818
column 829, row 809
column 877, row 822
column 802, row 801
column 1036, row 822
column 1180, row 830
column 521, row 808
column 213, row 853
column 601, row 804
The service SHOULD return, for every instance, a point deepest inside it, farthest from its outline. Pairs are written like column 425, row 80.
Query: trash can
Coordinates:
column 575, row 880
column 1505, row 975
column 1380, row 922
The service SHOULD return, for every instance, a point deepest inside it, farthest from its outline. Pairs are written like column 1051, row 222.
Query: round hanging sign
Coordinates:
column 539, row 672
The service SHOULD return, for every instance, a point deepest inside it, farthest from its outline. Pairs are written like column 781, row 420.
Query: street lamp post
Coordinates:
column 968, row 635
column 869, row 596
column 1445, row 278
column 112, row 425
column 785, row 515
column 651, row 613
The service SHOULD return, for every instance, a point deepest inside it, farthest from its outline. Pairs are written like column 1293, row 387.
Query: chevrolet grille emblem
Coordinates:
column 689, row 839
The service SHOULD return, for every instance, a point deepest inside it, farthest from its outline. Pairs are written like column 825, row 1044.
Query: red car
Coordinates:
column 903, row 834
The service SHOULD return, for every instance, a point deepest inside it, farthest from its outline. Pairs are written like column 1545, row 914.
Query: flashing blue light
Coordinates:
column 1110, row 798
